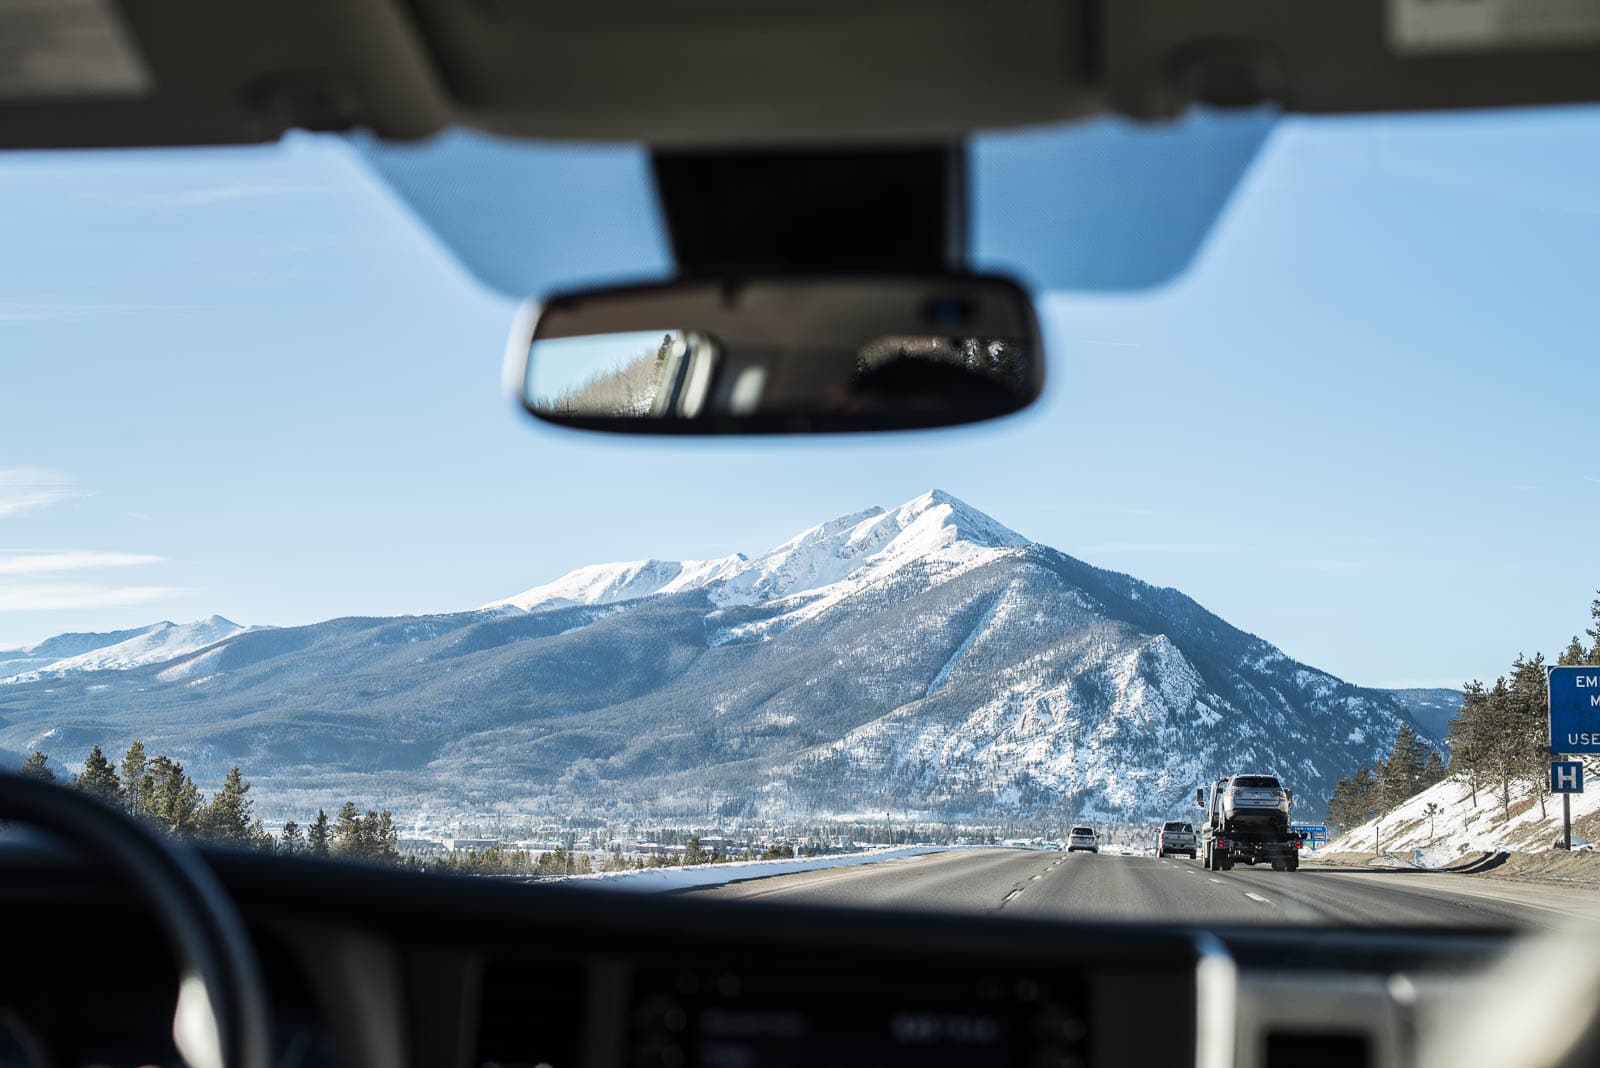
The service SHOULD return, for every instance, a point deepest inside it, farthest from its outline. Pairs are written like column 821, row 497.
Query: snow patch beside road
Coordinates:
column 662, row 880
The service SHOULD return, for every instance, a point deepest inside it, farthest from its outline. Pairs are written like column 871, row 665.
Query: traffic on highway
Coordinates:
column 1086, row 886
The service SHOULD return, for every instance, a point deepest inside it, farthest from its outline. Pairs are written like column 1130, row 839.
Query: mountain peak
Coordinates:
column 968, row 523
column 936, row 526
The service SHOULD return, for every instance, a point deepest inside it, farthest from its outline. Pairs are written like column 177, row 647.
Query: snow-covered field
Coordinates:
column 1459, row 827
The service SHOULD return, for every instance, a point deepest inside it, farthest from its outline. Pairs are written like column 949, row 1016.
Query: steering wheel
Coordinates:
column 222, row 1018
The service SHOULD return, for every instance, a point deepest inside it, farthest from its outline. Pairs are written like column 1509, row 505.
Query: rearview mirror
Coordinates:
column 1200, row 798
column 783, row 355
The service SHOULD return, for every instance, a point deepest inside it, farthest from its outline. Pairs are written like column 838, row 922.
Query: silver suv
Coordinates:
column 1254, row 796
column 1083, row 839
column 1176, row 837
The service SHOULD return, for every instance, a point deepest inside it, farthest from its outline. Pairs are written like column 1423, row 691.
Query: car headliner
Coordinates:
column 722, row 73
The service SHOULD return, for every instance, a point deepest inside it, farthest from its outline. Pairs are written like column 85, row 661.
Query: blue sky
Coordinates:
column 1360, row 424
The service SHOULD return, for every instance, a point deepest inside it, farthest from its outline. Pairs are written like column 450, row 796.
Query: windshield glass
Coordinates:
column 1311, row 493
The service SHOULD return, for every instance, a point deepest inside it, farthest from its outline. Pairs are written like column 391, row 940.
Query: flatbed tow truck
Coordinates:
column 1247, row 820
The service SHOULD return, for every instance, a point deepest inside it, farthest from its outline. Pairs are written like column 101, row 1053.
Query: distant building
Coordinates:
column 471, row 845
column 420, row 846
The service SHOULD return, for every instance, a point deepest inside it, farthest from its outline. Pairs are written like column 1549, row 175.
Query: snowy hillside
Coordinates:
column 119, row 650
column 614, row 583
column 1462, row 827
column 920, row 659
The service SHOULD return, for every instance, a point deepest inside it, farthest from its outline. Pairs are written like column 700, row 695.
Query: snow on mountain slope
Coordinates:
column 611, row 583
column 819, row 566
column 934, row 527
column 154, row 644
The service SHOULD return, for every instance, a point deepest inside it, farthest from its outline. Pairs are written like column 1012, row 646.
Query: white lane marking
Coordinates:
column 1034, row 878
column 1188, row 871
column 1217, row 881
column 1007, row 899
column 1257, row 897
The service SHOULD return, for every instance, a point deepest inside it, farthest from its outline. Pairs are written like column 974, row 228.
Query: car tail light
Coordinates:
column 1297, row 843
column 1222, row 843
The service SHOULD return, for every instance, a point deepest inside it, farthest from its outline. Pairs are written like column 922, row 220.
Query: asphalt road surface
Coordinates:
column 1102, row 886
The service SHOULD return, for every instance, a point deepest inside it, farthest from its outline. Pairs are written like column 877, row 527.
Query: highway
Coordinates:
column 1089, row 886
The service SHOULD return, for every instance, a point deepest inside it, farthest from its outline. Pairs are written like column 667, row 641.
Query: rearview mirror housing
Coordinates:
column 1200, row 798
column 782, row 355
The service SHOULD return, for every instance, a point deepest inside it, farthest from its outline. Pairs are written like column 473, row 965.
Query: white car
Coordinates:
column 1083, row 839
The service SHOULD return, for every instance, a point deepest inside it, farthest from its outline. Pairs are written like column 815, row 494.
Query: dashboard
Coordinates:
column 374, row 966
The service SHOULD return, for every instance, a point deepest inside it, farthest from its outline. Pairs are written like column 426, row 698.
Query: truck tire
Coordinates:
column 1224, row 863
column 1210, row 859
column 1280, row 865
column 1191, row 854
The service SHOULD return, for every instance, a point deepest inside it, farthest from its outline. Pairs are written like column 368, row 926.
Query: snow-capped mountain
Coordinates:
column 114, row 650
column 935, row 529
column 918, row 659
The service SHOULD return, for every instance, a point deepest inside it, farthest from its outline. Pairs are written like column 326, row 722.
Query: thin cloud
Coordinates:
column 54, row 597
column 45, row 563
column 27, row 489
column 1589, row 478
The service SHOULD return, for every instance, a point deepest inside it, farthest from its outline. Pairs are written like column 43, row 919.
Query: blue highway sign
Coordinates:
column 1574, row 710
column 1316, row 833
column 1566, row 777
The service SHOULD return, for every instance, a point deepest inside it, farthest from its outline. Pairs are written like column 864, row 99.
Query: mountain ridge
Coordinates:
column 924, row 658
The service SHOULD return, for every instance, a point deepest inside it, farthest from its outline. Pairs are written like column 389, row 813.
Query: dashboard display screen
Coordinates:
column 725, row 1018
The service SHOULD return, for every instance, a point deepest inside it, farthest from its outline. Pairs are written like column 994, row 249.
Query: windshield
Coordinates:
column 1310, row 500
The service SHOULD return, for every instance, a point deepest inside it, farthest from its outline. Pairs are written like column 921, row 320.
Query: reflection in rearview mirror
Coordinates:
column 784, row 355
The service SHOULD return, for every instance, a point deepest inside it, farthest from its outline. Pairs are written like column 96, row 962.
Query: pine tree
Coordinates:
column 1575, row 655
column 1468, row 740
column 228, row 817
column 1530, row 718
column 99, row 778
column 1433, row 771
column 694, row 853
column 349, row 837
column 1594, row 632
column 379, row 838
column 292, row 840
column 172, row 801
column 133, row 774
column 37, row 766
column 1399, row 775
column 1363, row 803
column 317, row 839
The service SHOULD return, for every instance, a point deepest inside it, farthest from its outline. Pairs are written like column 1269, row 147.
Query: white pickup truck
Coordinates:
column 1176, row 837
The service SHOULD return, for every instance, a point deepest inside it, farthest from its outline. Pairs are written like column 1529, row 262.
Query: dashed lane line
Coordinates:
column 1256, row 897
